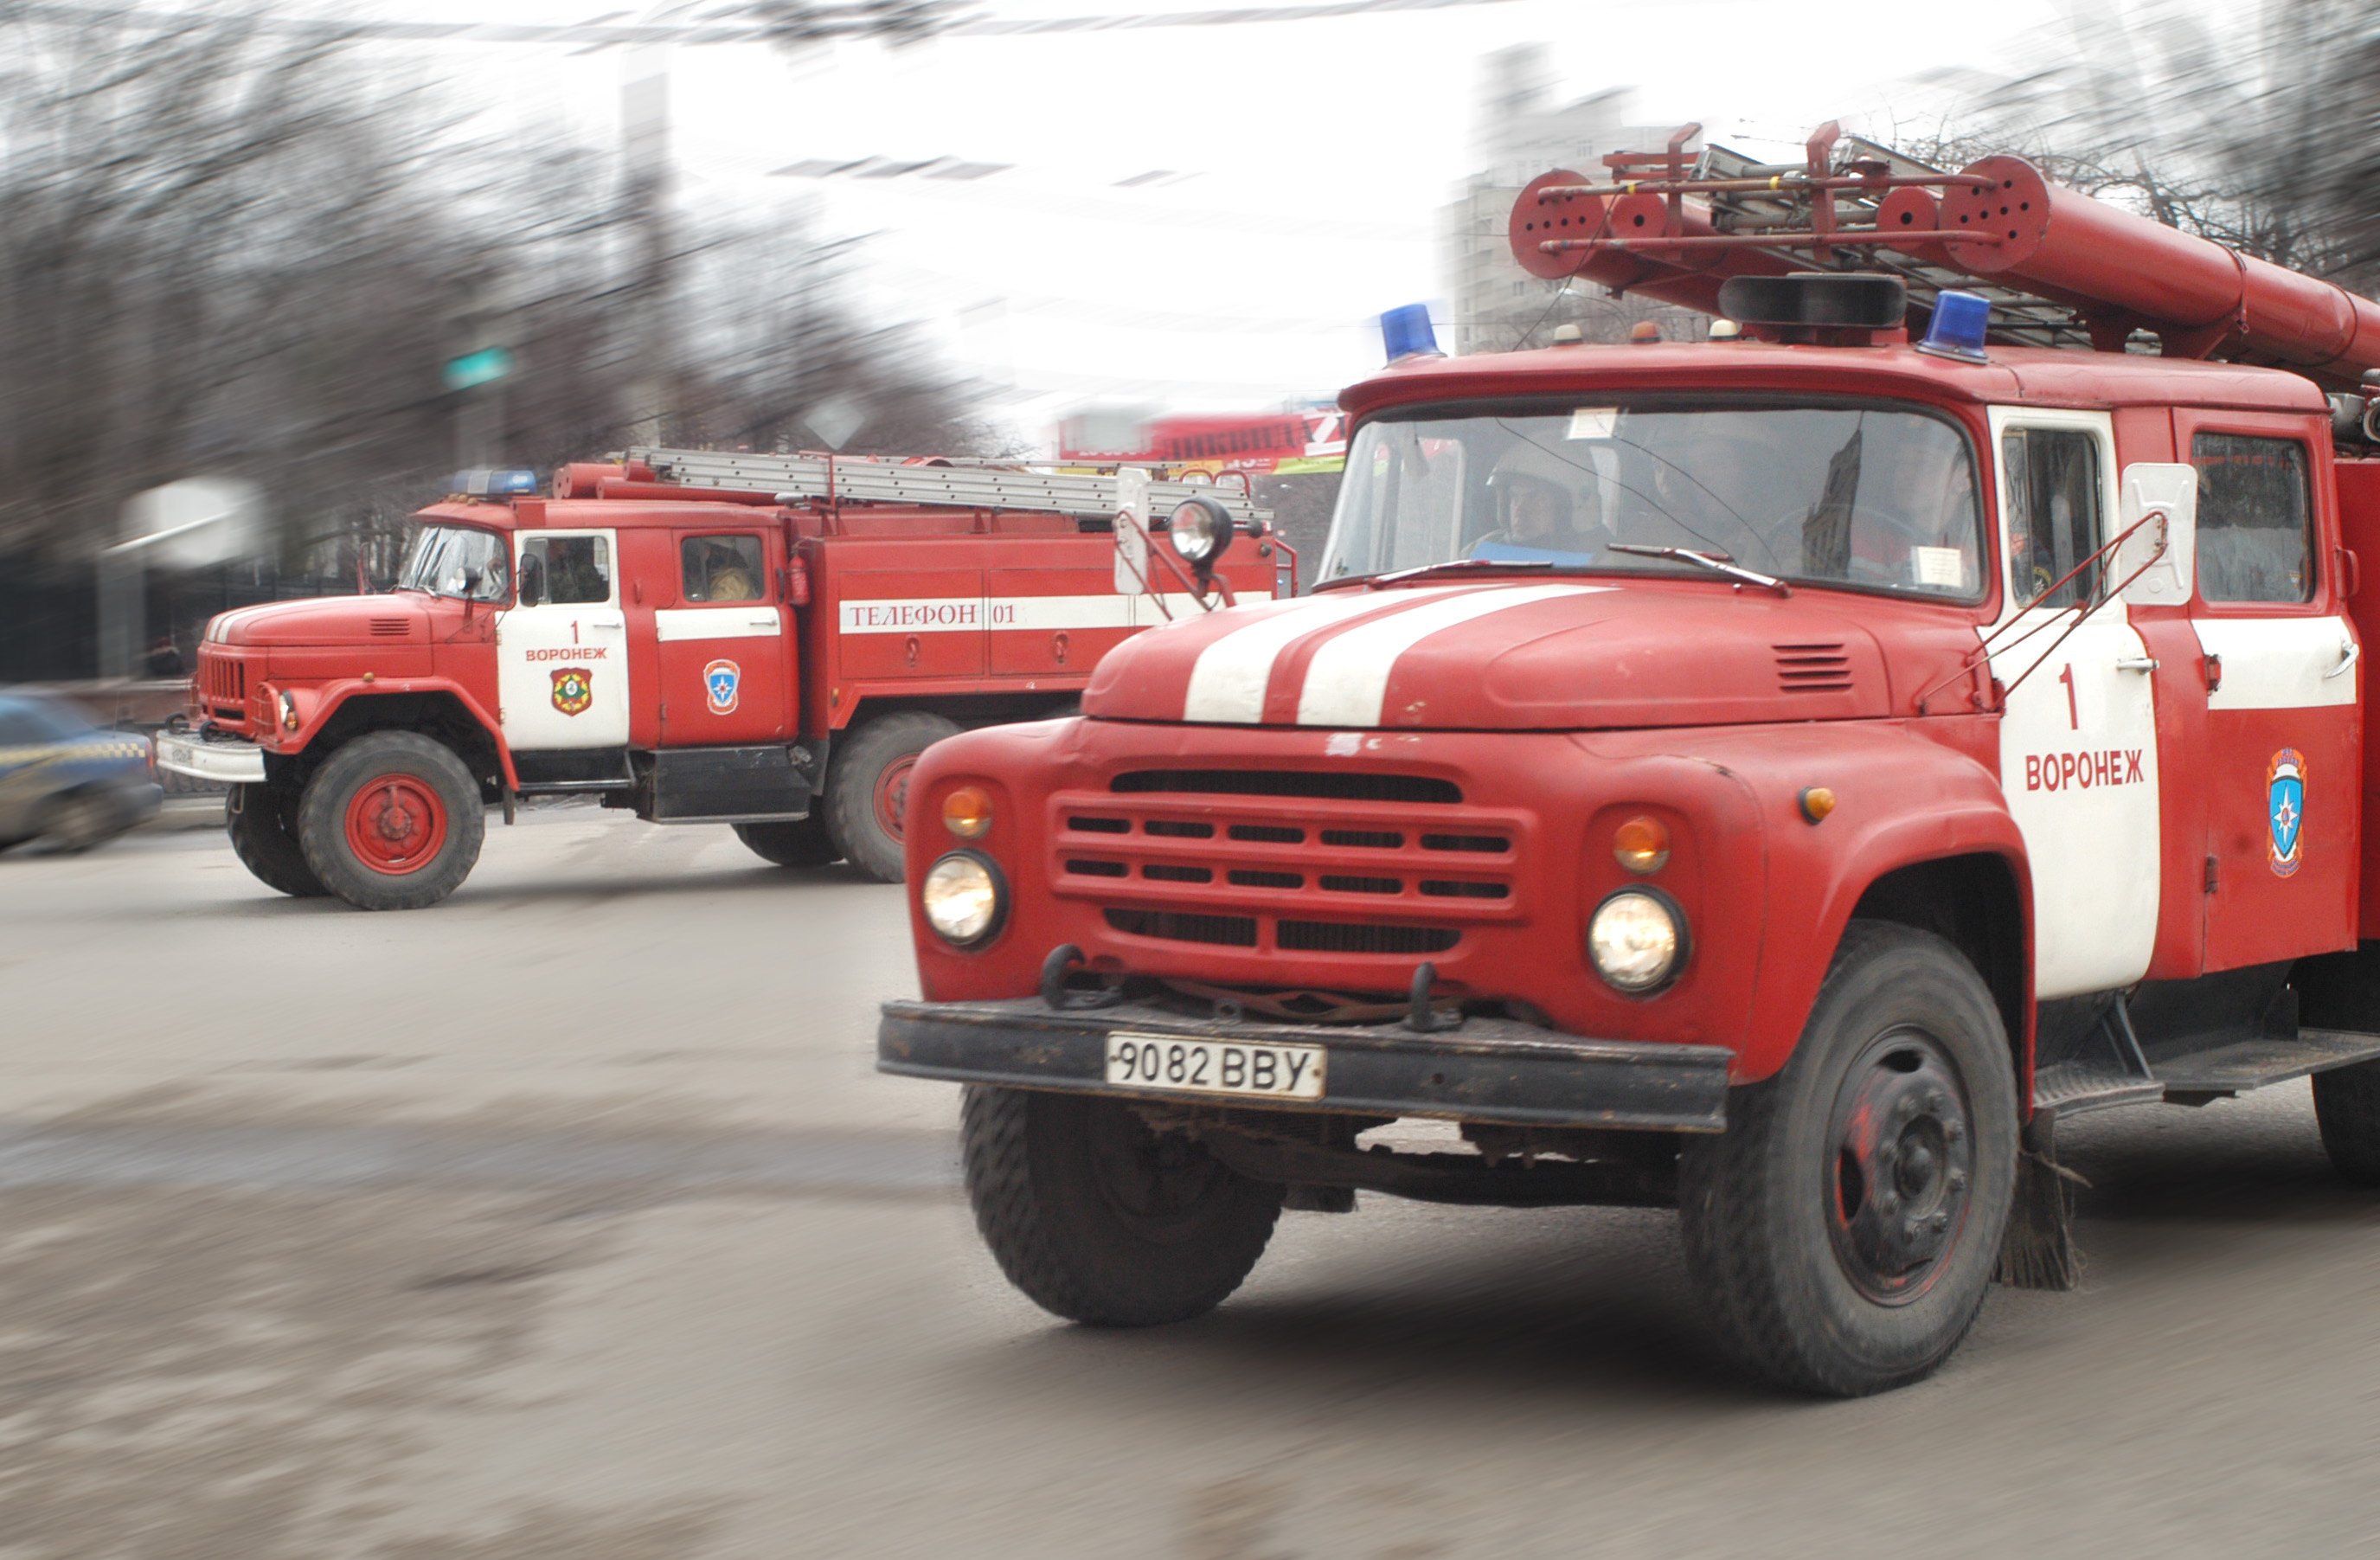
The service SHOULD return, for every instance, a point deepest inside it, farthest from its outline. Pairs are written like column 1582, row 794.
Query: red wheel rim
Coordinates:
column 397, row 825
column 892, row 792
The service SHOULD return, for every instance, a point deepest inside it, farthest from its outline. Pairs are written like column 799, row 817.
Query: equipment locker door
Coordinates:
column 2283, row 770
column 723, row 644
column 911, row 622
column 562, row 652
column 2078, row 739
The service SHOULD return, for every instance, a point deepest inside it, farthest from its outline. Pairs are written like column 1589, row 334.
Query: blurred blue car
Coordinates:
column 65, row 781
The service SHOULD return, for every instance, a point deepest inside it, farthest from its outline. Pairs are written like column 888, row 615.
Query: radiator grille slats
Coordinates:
column 1335, row 862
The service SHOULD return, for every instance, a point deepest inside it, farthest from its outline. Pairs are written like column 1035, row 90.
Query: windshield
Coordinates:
column 460, row 562
column 1875, row 496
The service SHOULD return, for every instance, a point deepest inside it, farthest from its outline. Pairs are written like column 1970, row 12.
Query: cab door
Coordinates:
column 2283, row 770
column 725, row 651
column 2078, row 737
column 562, row 650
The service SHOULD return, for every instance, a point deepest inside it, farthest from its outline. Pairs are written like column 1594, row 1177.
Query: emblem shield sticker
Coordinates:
column 574, row 689
column 719, row 681
column 2285, row 811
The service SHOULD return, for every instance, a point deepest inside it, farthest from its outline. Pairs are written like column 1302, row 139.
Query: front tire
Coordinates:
column 802, row 843
column 392, row 822
column 1843, row 1229
column 257, row 818
column 1101, row 1220
column 867, row 788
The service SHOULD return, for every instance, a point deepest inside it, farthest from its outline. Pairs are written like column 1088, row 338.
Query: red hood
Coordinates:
column 1568, row 654
column 325, row 620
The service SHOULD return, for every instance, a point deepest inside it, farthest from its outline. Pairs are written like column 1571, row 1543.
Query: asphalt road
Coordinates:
column 568, row 1220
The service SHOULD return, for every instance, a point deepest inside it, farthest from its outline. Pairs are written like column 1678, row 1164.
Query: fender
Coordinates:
column 1904, row 796
column 317, row 705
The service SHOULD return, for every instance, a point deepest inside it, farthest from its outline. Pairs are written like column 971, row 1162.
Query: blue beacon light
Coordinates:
column 484, row 483
column 1959, row 321
column 1406, row 333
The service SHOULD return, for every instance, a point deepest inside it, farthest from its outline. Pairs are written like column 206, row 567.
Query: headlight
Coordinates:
column 1637, row 940
column 289, row 711
column 963, row 898
column 1199, row 528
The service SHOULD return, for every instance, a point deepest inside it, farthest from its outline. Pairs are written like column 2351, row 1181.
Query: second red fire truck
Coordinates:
column 763, row 641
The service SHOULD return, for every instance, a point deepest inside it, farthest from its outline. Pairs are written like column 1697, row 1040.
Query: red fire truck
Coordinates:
column 766, row 640
column 1778, row 777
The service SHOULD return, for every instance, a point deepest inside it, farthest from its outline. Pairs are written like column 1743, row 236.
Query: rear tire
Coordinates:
column 868, row 787
column 257, row 818
column 2347, row 1107
column 802, row 843
column 1843, row 1229
column 1101, row 1220
column 392, row 822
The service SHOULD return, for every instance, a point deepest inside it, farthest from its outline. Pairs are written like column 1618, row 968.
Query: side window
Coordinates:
column 2053, row 511
column 722, row 568
column 565, row 571
column 20, row 728
column 2255, row 525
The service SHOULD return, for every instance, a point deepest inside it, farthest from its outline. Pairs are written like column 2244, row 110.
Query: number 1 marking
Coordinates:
column 574, row 634
column 2072, row 717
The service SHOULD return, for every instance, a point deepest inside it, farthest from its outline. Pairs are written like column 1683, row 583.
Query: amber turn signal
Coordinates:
column 966, row 812
column 1641, row 843
column 1817, row 802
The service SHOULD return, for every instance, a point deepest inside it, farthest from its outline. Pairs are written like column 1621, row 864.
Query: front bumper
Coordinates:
column 1491, row 1070
column 225, row 760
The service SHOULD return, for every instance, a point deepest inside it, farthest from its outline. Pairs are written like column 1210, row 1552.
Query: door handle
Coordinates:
column 2349, row 653
column 2136, row 663
column 768, row 622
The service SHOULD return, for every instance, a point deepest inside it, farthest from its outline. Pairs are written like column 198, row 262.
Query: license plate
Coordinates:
column 1215, row 1066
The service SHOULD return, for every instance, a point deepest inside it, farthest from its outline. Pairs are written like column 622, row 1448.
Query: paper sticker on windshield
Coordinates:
column 1945, row 567
column 1593, row 422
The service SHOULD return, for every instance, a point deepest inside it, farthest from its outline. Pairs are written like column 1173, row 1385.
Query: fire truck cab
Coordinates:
column 766, row 641
column 1778, row 778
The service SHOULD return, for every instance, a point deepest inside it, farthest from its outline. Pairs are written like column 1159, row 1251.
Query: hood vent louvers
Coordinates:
column 391, row 627
column 1814, row 669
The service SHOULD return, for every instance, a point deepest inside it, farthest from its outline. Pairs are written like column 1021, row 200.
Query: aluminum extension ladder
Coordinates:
column 799, row 478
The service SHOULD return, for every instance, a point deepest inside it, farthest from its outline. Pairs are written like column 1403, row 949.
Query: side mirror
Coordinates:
column 532, row 584
column 2171, row 491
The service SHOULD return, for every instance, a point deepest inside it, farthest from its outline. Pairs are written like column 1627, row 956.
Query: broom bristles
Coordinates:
column 2038, row 1252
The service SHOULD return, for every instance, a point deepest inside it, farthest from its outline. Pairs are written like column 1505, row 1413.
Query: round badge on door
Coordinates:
column 719, row 681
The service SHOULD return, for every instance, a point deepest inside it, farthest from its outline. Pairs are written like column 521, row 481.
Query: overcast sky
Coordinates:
column 1306, row 160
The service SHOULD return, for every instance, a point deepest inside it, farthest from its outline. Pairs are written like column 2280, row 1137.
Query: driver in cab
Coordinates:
column 1542, row 500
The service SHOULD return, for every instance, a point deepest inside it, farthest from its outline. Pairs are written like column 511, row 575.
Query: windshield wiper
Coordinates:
column 1421, row 571
column 1718, row 563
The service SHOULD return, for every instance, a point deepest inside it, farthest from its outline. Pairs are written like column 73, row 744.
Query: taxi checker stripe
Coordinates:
column 1228, row 682
column 1348, row 678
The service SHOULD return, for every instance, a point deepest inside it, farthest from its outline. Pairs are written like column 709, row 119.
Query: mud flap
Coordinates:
column 2038, row 1252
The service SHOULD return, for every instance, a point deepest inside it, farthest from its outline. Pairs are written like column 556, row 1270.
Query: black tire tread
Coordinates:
column 799, row 843
column 2347, row 1109
column 1073, row 1265
column 257, row 819
column 851, row 786
column 1000, row 1187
